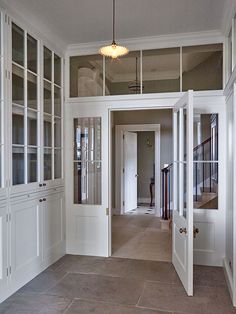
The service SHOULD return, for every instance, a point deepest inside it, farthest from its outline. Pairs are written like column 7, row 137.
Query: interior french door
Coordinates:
column 182, row 255
column 87, row 226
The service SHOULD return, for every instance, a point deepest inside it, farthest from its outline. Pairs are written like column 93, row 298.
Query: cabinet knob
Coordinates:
column 44, row 199
column 183, row 230
column 44, row 184
column 40, row 185
column 40, row 200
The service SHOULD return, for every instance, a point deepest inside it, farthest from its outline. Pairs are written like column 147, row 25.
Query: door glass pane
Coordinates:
column 87, row 172
column 57, row 101
column 87, row 133
column 32, row 90
column 47, row 64
column 47, row 130
column 47, row 95
column 57, row 132
column 86, row 76
column 57, row 163
column 18, row 165
column 47, row 164
column 205, row 185
column 17, row 125
column 17, row 44
column 87, row 182
column 32, row 53
column 202, row 67
column 161, row 70
column 57, row 70
column 17, row 85
column 32, row 165
column 32, row 128
column 123, row 75
column 205, row 137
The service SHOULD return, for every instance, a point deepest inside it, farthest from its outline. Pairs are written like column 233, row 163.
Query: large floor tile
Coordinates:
column 43, row 282
column 101, row 288
column 83, row 306
column 173, row 298
column 208, row 276
column 34, row 304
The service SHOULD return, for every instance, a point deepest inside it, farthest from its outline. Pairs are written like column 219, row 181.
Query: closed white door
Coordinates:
column 130, row 171
column 86, row 172
column 182, row 248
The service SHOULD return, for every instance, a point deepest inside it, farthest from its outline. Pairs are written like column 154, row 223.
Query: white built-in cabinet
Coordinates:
column 32, row 210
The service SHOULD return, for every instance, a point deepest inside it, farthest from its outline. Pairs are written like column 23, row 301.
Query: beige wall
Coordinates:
column 158, row 116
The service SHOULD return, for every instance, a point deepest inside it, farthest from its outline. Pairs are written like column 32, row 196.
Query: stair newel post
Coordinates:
column 166, row 194
column 163, row 193
column 203, row 168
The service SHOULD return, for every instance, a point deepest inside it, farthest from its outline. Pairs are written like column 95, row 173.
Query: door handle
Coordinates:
column 183, row 230
column 136, row 175
column 195, row 231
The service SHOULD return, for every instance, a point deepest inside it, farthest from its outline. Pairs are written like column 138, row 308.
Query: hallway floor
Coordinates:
column 80, row 284
column 140, row 237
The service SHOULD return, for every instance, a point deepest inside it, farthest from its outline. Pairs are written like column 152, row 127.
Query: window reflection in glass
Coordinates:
column 32, row 128
column 17, row 44
column 32, row 53
column 86, row 76
column 57, row 70
column 18, row 165
column 17, row 125
column 57, row 101
column 32, row 165
column 32, row 91
column 47, row 64
column 47, row 163
column 161, row 70
column 17, row 85
column 202, row 67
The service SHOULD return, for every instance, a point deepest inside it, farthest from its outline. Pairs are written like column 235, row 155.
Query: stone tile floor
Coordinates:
column 80, row 284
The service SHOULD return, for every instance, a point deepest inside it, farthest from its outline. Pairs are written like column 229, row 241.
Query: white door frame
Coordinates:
column 119, row 163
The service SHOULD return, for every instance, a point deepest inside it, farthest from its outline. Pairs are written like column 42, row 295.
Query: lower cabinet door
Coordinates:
column 54, row 222
column 26, row 241
column 4, row 271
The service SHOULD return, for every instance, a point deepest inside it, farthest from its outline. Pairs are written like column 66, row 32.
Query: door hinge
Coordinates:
column 7, row 272
column 123, row 203
column 123, row 136
column 123, row 170
column 10, row 270
column 107, row 211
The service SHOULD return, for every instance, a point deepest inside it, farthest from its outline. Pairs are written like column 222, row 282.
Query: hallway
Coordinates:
column 140, row 237
column 79, row 284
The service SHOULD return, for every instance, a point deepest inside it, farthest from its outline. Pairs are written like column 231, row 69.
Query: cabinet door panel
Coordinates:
column 53, row 226
column 26, row 252
column 3, row 250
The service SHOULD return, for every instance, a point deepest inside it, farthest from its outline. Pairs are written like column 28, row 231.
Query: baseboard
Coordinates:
column 229, row 278
column 143, row 200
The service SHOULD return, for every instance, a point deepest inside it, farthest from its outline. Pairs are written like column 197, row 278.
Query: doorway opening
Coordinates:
column 141, row 146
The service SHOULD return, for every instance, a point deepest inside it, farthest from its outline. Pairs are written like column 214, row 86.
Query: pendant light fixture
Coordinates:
column 135, row 86
column 114, row 51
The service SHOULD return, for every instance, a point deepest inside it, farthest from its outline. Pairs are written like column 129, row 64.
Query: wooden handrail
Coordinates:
column 194, row 149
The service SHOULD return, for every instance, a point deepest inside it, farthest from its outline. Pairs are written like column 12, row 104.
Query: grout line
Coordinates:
column 144, row 286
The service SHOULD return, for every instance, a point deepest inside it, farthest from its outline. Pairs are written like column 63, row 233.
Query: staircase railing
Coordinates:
column 200, row 153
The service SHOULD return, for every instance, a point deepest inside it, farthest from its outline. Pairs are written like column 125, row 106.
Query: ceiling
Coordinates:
column 83, row 21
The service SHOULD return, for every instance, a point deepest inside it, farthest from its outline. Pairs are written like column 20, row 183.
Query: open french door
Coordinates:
column 182, row 255
column 130, row 171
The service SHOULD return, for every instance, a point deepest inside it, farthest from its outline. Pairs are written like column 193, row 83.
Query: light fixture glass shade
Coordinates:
column 114, row 51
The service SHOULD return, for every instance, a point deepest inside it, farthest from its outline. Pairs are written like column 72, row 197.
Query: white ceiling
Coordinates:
column 82, row 21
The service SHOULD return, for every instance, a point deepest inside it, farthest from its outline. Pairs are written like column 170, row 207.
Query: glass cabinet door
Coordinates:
column 25, row 107
column 52, row 108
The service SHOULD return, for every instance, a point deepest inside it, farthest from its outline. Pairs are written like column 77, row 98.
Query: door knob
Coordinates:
column 183, row 230
column 195, row 231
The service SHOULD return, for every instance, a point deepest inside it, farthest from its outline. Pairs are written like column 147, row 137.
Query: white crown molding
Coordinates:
column 40, row 31
column 229, row 13
column 154, row 42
